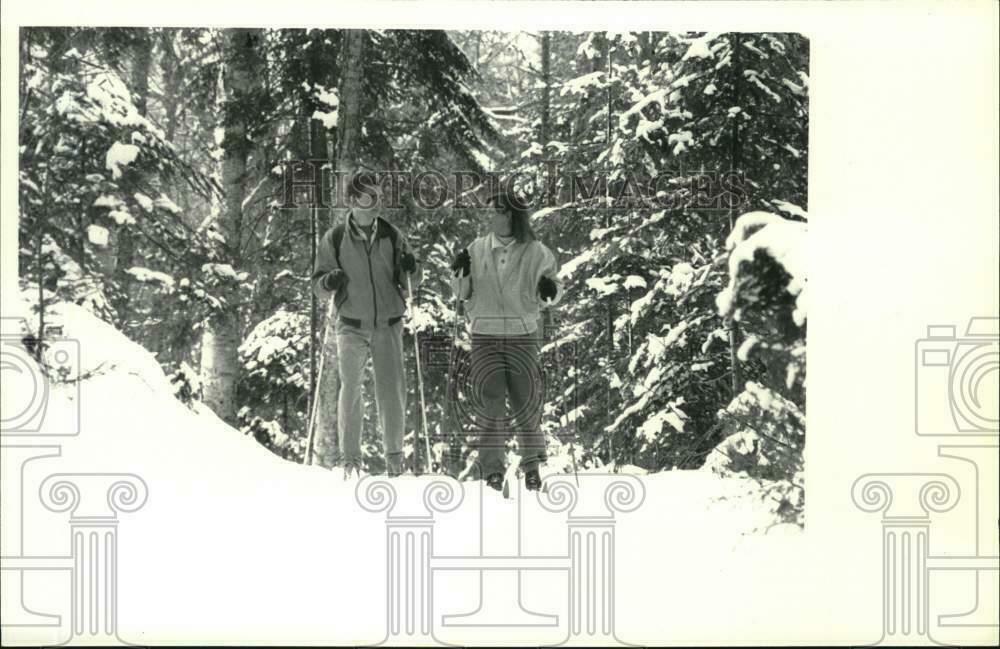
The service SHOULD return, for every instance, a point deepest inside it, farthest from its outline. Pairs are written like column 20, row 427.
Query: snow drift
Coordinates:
column 236, row 545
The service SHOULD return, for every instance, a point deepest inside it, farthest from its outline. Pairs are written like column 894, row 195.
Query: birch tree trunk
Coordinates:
column 221, row 337
column 348, row 147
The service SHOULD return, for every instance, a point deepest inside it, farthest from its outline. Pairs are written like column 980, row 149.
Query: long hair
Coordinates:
column 517, row 207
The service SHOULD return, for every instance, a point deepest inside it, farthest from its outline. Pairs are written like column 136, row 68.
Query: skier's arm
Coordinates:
column 550, row 268
column 461, row 285
column 326, row 261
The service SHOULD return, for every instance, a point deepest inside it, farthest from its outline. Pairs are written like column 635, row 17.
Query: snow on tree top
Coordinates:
column 147, row 275
column 165, row 203
column 271, row 337
column 580, row 85
column 122, row 216
column 329, row 118
column 604, row 285
column 700, row 48
column 780, row 239
column 224, row 271
column 145, row 202
column 635, row 281
column 754, row 77
column 534, row 149
column 545, row 211
column 107, row 200
column 791, row 208
column 680, row 141
column 118, row 156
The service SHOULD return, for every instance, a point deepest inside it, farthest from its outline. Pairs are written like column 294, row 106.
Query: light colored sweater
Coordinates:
column 501, row 291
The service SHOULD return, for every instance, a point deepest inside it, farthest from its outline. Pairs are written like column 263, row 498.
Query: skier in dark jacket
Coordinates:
column 506, row 277
column 362, row 262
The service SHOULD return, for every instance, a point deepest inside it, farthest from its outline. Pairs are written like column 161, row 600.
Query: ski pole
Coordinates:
column 420, row 379
column 572, row 451
column 451, row 389
column 319, row 383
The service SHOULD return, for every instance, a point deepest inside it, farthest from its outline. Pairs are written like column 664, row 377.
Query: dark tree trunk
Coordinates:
column 124, row 237
column 734, row 152
column 313, row 144
column 544, row 133
column 323, row 432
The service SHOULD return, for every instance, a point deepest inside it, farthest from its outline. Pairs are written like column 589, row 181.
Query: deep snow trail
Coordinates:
column 237, row 545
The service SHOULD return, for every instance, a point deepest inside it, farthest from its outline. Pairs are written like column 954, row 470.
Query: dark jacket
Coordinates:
column 376, row 287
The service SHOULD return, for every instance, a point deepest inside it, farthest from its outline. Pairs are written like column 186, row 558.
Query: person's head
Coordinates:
column 363, row 191
column 510, row 216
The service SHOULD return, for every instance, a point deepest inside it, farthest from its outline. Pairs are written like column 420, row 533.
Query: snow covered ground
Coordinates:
column 236, row 545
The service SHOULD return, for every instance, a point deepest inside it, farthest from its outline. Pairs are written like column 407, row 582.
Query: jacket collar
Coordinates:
column 381, row 227
column 496, row 243
column 501, row 275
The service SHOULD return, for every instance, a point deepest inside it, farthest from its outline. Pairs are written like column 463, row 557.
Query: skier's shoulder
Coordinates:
column 479, row 244
column 331, row 241
column 538, row 249
column 388, row 229
column 333, row 234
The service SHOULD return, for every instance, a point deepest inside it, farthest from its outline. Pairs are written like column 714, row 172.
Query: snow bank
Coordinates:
column 236, row 545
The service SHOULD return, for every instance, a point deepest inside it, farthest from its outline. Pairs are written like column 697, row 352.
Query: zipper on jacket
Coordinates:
column 371, row 278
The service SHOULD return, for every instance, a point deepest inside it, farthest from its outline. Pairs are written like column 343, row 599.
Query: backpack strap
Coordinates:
column 392, row 233
column 336, row 238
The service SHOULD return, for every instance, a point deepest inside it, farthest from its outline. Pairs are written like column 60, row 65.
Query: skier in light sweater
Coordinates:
column 506, row 277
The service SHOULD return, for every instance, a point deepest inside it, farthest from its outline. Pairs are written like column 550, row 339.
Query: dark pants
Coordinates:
column 502, row 366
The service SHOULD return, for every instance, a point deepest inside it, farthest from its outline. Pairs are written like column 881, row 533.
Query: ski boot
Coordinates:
column 495, row 481
column 352, row 471
column 532, row 480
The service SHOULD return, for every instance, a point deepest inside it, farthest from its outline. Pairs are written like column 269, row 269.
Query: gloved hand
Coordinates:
column 462, row 262
column 546, row 288
column 407, row 262
column 335, row 280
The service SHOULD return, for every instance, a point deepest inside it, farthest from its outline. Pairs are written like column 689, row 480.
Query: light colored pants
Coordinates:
column 385, row 344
